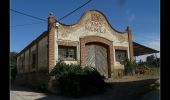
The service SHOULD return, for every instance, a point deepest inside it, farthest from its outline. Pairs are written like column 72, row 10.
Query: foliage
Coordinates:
column 13, row 73
column 13, row 59
column 73, row 80
column 129, row 67
column 13, row 65
column 152, row 61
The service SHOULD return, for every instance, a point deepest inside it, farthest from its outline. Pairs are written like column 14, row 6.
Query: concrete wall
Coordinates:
column 39, row 47
column 42, row 53
column 32, row 49
column 33, row 76
column 22, row 65
column 26, row 61
column 33, row 79
column 18, row 64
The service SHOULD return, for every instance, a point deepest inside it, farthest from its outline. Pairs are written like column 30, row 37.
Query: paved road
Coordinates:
column 20, row 93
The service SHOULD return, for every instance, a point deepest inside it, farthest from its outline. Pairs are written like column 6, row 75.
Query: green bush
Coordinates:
column 129, row 67
column 73, row 80
column 13, row 73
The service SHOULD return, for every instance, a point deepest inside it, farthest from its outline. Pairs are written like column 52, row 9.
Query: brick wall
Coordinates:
column 52, row 42
column 130, row 44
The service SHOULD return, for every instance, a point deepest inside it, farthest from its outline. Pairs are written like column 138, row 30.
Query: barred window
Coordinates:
column 66, row 53
column 120, row 55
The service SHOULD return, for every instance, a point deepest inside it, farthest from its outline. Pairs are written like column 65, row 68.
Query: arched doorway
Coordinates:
column 97, row 52
column 97, row 57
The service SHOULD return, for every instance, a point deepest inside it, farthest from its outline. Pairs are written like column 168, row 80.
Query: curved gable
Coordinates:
column 92, row 22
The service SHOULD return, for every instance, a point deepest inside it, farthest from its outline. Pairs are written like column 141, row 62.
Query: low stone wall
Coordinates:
column 33, row 79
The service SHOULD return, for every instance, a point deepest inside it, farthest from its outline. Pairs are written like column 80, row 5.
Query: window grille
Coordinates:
column 120, row 56
column 67, row 53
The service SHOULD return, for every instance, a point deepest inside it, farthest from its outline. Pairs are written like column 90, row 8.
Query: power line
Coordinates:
column 68, row 14
column 28, row 15
column 74, row 10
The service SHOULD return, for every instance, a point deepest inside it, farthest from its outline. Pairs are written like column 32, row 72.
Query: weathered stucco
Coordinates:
column 18, row 64
column 33, row 49
column 82, row 28
column 93, row 23
column 26, row 61
column 42, row 53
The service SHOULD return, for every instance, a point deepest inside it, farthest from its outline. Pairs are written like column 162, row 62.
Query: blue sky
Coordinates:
column 143, row 16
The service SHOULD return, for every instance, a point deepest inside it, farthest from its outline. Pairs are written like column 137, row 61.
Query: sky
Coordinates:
column 143, row 17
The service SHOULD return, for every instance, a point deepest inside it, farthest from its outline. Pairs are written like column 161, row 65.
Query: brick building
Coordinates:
column 91, row 41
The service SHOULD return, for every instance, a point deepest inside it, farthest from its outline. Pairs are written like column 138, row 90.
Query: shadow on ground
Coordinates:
column 134, row 90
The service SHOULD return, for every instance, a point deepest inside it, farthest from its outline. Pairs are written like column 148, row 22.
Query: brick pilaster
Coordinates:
column 51, row 42
column 130, row 44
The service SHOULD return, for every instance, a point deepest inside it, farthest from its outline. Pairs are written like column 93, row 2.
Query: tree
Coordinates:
column 152, row 61
column 13, row 59
column 13, row 65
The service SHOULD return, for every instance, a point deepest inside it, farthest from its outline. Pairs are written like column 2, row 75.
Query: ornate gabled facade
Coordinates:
column 91, row 41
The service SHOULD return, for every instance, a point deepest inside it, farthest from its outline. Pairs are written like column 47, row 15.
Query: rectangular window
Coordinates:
column 121, row 56
column 67, row 53
column 33, row 60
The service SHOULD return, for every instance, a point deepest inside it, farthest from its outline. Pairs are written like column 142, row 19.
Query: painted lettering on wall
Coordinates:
column 95, row 24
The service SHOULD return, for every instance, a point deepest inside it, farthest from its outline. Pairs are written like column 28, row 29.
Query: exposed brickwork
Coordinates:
column 68, row 43
column 130, row 44
column 51, row 41
column 97, row 39
column 51, row 51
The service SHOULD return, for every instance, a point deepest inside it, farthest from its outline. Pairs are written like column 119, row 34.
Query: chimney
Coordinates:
column 51, row 21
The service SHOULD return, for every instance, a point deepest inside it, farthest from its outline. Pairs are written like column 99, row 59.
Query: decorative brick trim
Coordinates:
column 96, row 39
column 130, row 44
column 48, row 52
column 121, row 48
column 68, row 43
column 51, row 50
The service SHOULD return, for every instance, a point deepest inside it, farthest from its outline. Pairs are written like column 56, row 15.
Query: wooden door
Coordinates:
column 97, row 57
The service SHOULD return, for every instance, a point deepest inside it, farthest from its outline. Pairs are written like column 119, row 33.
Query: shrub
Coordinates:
column 13, row 73
column 73, row 80
column 129, row 67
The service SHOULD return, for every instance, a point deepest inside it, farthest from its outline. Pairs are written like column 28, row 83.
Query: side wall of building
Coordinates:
column 33, row 70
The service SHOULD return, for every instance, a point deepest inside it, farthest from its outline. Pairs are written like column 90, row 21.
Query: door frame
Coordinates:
column 97, row 39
